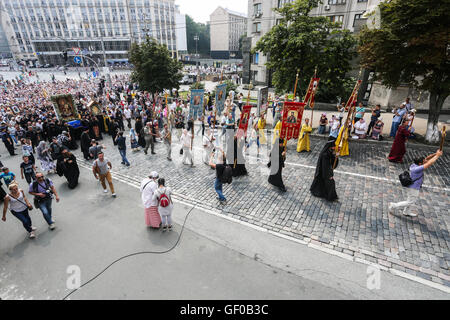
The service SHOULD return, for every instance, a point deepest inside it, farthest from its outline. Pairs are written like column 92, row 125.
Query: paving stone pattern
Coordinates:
column 358, row 224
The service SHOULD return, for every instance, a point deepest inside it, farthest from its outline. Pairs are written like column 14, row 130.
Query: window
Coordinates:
column 255, row 58
column 337, row 18
column 257, row 27
column 362, row 1
column 337, row 1
column 281, row 3
column 257, row 9
column 357, row 17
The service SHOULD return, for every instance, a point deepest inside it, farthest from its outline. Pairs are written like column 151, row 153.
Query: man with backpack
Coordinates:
column 224, row 174
column 415, row 183
column 43, row 190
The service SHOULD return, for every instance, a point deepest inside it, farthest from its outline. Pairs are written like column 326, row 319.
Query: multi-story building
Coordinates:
column 226, row 28
column 103, row 29
column 262, row 18
column 5, row 50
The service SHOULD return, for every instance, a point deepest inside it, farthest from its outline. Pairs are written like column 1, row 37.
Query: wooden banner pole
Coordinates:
column 444, row 134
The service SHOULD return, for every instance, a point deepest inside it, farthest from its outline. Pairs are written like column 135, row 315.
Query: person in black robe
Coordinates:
column 95, row 125
column 101, row 123
column 239, row 161
column 324, row 185
column 114, row 131
column 67, row 166
column 276, row 165
column 138, row 128
column 85, row 142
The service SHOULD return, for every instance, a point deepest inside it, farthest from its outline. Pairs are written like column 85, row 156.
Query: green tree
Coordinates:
column 412, row 47
column 154, row 68
column 303, row 42
column 202, row 31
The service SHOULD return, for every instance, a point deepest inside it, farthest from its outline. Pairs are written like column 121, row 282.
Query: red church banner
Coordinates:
column 292, row 119
column 245, row 115
column 313, row 84
column 352, row 100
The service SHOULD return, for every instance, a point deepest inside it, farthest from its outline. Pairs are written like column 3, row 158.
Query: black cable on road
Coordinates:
column 134, row 254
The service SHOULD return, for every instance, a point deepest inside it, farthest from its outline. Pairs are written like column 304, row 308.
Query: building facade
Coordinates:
column 226, row 28
column 262, row 18
column 103, row 29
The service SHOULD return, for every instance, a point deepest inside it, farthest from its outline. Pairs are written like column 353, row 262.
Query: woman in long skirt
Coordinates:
column 398, row 149
column 43, row 154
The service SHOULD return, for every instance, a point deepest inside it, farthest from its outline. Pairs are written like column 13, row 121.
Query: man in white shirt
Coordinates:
column 127, row 113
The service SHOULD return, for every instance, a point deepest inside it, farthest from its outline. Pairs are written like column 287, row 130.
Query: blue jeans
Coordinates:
column 24, row 217
column 46, row 208
column 123, row 154
column 394, row 128
column 14, row 138
column 218, row 188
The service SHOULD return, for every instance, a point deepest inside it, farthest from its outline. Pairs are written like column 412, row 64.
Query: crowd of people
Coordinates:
column 29, row 123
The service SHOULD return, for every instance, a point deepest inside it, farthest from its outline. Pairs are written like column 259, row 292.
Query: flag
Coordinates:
column 292, row 119
column 312, row 88
column 196, row 104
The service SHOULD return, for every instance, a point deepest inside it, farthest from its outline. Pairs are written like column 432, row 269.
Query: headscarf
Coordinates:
column 41, row 149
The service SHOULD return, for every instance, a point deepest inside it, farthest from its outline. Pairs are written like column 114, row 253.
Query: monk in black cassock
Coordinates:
column 239, row 161
column 85, row 142
column 67, row 165
column 324, row 185
column 276, row 165
column 138, row 128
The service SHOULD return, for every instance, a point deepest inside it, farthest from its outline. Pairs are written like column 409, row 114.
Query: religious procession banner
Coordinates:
column 292, row 119
column 64, row 107
column 196, row 105
column 312, row 88
column 221, row 91
column 354, row 96
column 245, row 115
column 95, row 108
column 263, row 100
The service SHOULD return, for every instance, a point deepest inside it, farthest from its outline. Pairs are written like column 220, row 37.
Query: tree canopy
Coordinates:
column 202, row 30
column 303, row 42
column 412, row 47
column 154, row 68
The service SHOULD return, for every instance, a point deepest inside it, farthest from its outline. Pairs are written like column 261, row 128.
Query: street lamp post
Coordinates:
column 196, row 38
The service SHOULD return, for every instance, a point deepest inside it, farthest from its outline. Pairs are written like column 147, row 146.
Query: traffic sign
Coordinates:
column 77, row 60
column 76, row 50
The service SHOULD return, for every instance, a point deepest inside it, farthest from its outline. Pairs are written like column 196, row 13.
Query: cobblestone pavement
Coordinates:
column 358, row 226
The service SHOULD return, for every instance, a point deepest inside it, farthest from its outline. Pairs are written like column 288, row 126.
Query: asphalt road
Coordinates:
column 215, row 259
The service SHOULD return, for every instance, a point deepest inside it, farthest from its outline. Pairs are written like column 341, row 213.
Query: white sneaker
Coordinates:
column 114, row 195
column 410, row 214
column 32, row 235
column 52, row 226
column 105, row 191
column 33, row 228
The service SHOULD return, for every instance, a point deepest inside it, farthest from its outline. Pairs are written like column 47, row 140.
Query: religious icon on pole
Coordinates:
column 64, row 107
column 352, row 100
column 292, row 119
column 221, row 91
column 245, row 115
column 196, row 104
column 94, row 108
column 313, row 84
